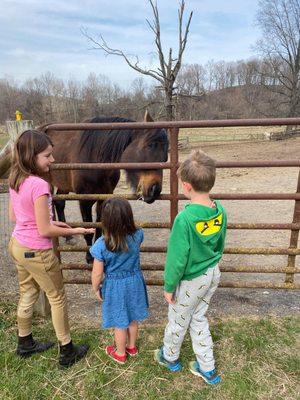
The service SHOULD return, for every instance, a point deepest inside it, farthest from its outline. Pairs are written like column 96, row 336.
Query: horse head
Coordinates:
column 147, row 145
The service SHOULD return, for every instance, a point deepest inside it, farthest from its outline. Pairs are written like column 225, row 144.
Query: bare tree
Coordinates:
column 9, row 97
column 73, row 101
column 169, row 66
column 279, row 21
column 190, row 90
column 190, row 80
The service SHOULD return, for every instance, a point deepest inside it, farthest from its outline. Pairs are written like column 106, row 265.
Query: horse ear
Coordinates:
column 147, row 117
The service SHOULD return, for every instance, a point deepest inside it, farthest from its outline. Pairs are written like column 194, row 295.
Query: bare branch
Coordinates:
column 168, row 69
column 280, row 24
column 110, row 51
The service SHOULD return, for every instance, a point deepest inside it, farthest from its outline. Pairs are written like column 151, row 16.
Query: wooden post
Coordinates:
column 15, row 128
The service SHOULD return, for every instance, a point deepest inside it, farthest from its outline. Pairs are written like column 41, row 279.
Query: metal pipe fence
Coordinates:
column 292, row 251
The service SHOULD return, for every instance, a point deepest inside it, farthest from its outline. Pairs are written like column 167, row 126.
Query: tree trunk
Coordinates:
column 169, row 104
column 293, row 103
column 292, row 111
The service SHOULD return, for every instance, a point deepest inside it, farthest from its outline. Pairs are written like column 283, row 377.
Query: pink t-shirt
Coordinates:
column 26, row 231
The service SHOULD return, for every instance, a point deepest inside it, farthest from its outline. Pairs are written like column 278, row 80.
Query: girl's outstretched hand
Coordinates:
column 84, row 231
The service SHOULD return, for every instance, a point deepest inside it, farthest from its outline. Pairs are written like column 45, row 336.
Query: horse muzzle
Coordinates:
column 152, row 193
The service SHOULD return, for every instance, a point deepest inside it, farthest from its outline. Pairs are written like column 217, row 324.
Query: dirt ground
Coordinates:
column 227, row 302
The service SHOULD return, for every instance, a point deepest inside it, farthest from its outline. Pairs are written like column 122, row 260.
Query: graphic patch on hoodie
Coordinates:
column 211, row 226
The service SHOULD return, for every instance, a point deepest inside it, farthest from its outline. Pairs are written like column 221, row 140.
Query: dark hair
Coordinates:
column 29, row 144
column 117, row 222
column 199, row 170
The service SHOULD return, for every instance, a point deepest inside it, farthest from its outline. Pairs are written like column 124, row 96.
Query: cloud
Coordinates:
column 38, row 36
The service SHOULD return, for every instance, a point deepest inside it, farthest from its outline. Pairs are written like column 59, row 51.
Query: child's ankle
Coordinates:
column 119, row 353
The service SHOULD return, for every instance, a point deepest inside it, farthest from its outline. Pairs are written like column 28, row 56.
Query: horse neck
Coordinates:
column 120, row 146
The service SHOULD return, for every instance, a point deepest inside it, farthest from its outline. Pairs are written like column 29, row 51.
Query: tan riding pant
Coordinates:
column 40, row 271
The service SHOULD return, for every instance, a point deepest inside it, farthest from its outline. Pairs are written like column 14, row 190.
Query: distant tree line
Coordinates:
column 216, row 90
column 266, row 86
column 277, row 71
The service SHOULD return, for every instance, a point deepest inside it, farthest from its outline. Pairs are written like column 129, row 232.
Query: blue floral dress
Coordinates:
column 124, row 290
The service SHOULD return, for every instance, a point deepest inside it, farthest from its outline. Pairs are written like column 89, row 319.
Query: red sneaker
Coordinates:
column 132, row 352
column 111, row 352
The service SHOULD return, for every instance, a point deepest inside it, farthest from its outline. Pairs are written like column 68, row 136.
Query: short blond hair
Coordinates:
column 199, row 170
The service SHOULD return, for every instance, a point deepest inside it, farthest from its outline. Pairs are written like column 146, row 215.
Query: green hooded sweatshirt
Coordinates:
column 196, row 243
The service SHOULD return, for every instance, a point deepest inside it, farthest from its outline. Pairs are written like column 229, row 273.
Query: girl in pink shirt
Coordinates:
column 31, row 245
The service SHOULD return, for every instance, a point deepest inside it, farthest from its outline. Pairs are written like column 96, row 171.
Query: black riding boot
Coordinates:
column 70, row 354
column 28, row 346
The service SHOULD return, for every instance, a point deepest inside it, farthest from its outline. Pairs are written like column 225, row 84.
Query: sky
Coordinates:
column 37, row 36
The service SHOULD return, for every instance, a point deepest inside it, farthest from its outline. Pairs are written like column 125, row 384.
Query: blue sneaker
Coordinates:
column 210, row 377
column 173, row 366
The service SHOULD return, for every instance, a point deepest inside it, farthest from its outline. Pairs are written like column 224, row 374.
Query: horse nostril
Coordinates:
column 155, row 190
column 152, row 193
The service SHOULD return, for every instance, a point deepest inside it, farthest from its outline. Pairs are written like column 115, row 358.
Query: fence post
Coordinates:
column 289, row 277
column 15, row 128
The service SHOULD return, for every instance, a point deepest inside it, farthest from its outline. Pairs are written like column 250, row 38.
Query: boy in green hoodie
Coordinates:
column 192, row 273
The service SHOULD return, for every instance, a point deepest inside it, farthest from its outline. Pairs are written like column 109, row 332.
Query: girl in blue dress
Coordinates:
column 123, row 291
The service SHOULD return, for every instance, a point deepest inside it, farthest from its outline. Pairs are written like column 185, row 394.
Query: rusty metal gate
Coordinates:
column 173, row 127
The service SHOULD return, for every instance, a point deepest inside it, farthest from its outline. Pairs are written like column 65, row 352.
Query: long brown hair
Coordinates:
column 117, row 222
column 29, row 144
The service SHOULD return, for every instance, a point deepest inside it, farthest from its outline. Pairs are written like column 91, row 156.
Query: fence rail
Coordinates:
column 292, row 251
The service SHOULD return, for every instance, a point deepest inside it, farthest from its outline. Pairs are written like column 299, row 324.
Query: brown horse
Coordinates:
column 109, row 146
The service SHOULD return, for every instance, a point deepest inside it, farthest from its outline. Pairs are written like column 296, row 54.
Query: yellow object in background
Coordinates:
column 19, row 115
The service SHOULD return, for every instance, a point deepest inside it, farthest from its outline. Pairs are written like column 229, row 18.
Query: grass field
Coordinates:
column 210, row 134
column 228, row 134
column 258, row 359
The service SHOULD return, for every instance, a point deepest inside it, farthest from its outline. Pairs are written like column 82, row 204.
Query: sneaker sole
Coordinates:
column 157, row 359
column 203, row 377
column 132, row 355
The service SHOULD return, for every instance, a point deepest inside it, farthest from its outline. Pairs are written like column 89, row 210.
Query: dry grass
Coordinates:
column 208, row 134
column 257, row 358
column 246, row 133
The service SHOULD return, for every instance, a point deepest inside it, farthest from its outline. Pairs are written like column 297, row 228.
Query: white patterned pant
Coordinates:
column 192, row 300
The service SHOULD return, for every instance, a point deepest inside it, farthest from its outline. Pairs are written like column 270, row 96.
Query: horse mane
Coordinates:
column 108, row 145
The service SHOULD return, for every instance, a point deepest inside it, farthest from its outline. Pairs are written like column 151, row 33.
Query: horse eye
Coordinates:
column 152, row 146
